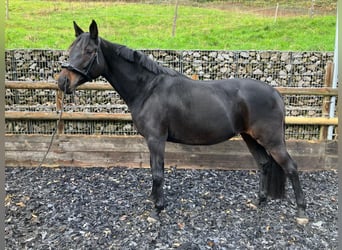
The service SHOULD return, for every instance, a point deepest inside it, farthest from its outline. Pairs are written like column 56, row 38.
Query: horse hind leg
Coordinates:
column 276, row 165
column 272, row 178
column 282, row 157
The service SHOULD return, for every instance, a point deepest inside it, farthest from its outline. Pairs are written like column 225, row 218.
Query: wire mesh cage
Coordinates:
column 302, row 132
column 276, row 68
column 30, row 127
column 33, row 65
column 98, row 101
column 100, row 128
column 30, row 100
column 303, row 105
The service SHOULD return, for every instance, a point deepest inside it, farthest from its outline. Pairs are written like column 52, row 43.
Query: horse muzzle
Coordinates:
column 65, row 83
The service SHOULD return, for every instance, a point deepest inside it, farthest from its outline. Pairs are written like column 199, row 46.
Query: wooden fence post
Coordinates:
column 326, row 100
column 175, row 20
column 59, row 108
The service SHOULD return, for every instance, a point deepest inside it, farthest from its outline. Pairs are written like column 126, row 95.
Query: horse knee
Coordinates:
column 157, row 167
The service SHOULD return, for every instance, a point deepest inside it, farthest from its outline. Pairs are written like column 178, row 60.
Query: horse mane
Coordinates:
column 142, row 59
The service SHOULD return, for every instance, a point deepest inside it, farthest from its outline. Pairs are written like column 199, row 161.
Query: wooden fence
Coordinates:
column 132, row 151
column 80, row 150
column 324, row 121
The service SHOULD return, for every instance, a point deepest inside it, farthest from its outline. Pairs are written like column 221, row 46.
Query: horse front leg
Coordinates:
column 157, row 150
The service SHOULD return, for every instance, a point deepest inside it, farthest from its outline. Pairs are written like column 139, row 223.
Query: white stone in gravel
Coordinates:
column 151, row 220
column 302, row 221
column 318, row 223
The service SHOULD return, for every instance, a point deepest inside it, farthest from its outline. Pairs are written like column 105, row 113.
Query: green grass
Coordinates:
column 48, row 24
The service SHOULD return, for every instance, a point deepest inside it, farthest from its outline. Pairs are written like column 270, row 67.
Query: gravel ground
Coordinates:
column 100, row 208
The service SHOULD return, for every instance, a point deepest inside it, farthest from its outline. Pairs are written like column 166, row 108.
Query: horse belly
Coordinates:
column 203, row 128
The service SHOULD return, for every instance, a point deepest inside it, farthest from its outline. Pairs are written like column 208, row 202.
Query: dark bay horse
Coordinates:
column 168, row 106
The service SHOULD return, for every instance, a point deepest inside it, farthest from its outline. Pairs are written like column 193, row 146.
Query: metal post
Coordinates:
column 334, row 83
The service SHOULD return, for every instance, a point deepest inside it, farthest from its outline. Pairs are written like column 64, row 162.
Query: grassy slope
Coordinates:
column 42, row 24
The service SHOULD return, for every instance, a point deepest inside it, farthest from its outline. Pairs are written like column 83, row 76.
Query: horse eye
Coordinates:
column 89, row 51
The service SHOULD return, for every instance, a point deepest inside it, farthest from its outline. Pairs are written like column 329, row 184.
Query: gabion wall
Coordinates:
column 277, row 68
column 287, row 69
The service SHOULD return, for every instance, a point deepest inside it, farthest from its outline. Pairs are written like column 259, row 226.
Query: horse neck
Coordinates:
column 127, row 77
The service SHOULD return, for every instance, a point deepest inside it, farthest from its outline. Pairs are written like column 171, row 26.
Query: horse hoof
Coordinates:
column 153, row 217
column 302, row 220
column 159, row 206
column 252, row 205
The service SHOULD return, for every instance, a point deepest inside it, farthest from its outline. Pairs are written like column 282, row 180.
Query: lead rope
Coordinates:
column 50, row 144
column 54, row 132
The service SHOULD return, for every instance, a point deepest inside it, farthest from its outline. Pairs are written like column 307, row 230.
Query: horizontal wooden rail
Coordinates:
column 308, row 91
column 311, row 120
column 84, row 116
column 30, row 85
column 326, row 91
column 88, row 116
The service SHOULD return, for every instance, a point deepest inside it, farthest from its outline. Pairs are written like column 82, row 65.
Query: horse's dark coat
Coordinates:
column 168, row 106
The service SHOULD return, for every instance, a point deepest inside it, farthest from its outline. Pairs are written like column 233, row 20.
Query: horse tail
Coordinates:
column 275, row 179
column 275, row 174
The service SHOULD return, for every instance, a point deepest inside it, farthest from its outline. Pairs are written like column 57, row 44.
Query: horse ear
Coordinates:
column 78, row 30
column 93, row 30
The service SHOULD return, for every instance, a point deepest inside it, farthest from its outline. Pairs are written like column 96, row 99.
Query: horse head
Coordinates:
column 86, row 61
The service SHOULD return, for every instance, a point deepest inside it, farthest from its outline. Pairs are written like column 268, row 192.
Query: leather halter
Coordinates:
column 84, row 73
